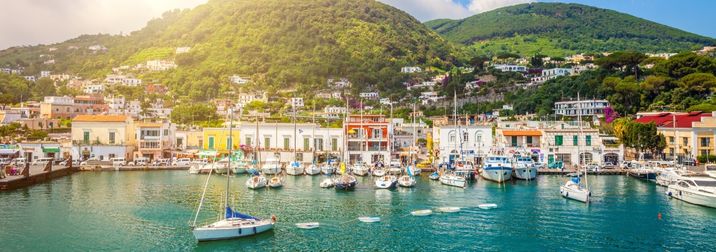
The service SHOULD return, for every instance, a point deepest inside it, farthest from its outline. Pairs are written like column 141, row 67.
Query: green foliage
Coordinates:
column 706, row 159
column 195, row 113
column 560, row 29
column 43, row 87
column 642, row 137
column 13, row 89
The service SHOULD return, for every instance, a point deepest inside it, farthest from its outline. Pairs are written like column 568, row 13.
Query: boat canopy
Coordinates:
column 231, row 214
column 575, row 180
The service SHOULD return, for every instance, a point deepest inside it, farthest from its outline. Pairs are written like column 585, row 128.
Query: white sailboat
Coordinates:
column 453, row 180
column 360, row 169
column 328, row 169
column 313, row 168
column 296, row 167
column 573, row 189
column 386, row 182
column 256, row 182
column 407, row 179
column 232, row 224
column 271, row 166
column 275, row 182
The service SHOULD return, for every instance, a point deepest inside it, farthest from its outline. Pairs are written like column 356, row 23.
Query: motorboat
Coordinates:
column 295, row 169
column 465, row 169
column 345, row 182
column 434, row 176
column 669, row 176
column 447, row 209
column 367, row 219
column 313, row 169
column 524, row 168
column 710, row 170
column 328, row 169
column 234, row 225
column 275, row 182
column 256, row 182
column 386, row 182
column 574, row 190
column 453, row 180
column 379, row 172
column 695, row 190
column 496, row 168
column 327, row 183
column 239, row 167
column 394, row 168
column 487, row 206
column 425, row 212
column 643, row 172
column 360, row 169
column 196, row 166
column 271, row 166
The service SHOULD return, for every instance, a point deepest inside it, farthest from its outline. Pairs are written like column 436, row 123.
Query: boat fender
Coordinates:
column 566, row 194
column 668, row 193
column 273, row 218
column 239, row 231
column 254, row 230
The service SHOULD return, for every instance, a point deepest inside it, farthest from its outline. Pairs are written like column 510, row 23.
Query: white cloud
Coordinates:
column 425, row 10
column 477, row 6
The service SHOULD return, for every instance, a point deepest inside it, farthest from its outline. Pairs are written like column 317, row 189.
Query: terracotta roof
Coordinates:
column 666, row 119
column 100, row 118
column 521, row 133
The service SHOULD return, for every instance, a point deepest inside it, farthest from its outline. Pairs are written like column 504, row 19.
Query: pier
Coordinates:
column 568, row 171
column 35, row 174
column 132, row 168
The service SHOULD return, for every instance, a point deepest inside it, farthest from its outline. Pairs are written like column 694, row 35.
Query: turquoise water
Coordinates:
column 150, row 211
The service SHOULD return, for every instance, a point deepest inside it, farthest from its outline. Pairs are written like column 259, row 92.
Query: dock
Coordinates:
column 133, row 168
column 568, row 171
column 35, row 174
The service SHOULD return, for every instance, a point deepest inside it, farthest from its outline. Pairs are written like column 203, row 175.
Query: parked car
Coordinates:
column 118, row 161
column 141, row 161
column 161, row 162
column 593, row 167
column 182, row 162
column 42, row 161
column 85, row 162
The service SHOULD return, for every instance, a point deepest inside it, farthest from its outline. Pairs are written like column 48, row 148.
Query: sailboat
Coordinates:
column 232, row 224
column 275, row 182
column 328, row 168
column 346, row 182
column 407, row 179
column 313, row 168
column 573, row 189
column 386, row 182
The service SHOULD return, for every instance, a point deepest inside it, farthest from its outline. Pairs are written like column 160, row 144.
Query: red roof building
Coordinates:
column 666, row 119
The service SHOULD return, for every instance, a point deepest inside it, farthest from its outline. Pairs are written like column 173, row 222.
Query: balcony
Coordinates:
column 150, row 145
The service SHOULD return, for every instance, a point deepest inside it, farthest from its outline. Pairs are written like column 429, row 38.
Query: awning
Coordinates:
column 521, row 133
column 9, row 151
column 51, row 150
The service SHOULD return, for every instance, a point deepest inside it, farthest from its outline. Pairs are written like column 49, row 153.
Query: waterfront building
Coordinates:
column 102, row 137
column 367, row 138
column 470, row 142
column 563, row 141
column 588, row 108
column 369, row 95
column 219, row 139
column 520, row 140
column 191, row 139
column 278, row 139
column 688, row 135
column 155, row 139
column 43, row 149
column 410, row 69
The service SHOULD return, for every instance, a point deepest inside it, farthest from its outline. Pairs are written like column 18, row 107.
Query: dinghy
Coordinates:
column 487, row 206
column 369, row 219
column 327, row 183
column 308, row 225
column 434, row 176
column 275, row 182
column 448, row 209
column 425, row 212
column 256, row 182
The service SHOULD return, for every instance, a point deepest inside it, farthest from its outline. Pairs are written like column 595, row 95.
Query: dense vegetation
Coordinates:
column 278, row 43
column 684, row 82
column 560, row 29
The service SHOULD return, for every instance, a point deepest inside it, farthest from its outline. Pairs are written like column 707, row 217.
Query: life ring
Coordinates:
column 273, row 218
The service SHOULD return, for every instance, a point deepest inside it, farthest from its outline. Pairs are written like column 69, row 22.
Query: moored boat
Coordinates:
column 295, row 169
column 328, row 169
column 524, row 168
column 574, row 190
column 386, row 182
column 496, row 168
column 271, row 166
column 360, row 169
column 425, row 212
column 695, row 190
column 313, row 169
column 275, row 182
column 453, row 180
column 434, row 176
column 256, row 182
column 327, row 183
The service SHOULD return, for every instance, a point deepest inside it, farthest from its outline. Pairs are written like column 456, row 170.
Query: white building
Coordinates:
column 333, row 112
column 296, row 102
column 93, row 89
column 30, row 78
column 160, row 65
column 369, row 95
column 510, row 68
column 183, row 49
column 116, row 105
column 340, row 83
column 236, row 79
column 246, row 98
column 588, row 107
column 411, row 69
column 556, row 72
column 96, row 48
column 429, row 97
column 425, row 84
column 45, row 74
column 281, row 139
column 472, row 141
column 132, row 82
column 59, row 100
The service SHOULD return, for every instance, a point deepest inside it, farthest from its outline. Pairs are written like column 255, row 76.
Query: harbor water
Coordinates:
column 151, row 211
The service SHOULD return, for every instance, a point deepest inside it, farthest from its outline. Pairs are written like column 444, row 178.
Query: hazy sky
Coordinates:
column 29, row 22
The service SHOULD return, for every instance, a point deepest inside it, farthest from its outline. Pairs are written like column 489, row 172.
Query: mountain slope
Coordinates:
column 278, row 43
column 570, row 27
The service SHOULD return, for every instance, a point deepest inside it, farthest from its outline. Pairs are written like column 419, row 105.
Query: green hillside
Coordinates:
column 278, row 43
column 562, row 29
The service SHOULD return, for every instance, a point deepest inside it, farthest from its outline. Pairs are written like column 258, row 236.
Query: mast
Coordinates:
column 228, row 169
column 362, row 134
column 579, row 118
column 294, row 133
column 313, row 135
column 413, row 143
column 454, row 116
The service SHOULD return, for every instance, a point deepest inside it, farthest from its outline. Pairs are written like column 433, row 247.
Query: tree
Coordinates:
column 43, row 87
column 194, row 113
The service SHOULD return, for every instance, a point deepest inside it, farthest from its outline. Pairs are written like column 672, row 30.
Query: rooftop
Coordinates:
column 100, row 118
column 666, row 119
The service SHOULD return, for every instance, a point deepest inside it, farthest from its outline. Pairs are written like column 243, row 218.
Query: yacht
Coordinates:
column 313, row 169
column 295, row 169
column 275, row 182
column 407, row 180
column 256, row 182
column 360, row 169
column 271, row 166
column 524, row 168
column 497, row 168
column 386, row 182
column 669, row 176
column 345, row 182
column 710, row 170
column 453, row 180
column 695, row 190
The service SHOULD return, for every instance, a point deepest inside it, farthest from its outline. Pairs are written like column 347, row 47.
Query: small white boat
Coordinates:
column 695, row 190
column 434, row 176
column 407, row 181
column 487, row 206
column 328, row 169
column 360, row 169
column 379, row 172
column 668, row 177
column 524, row 168
column 425, row 212
column 256, row 182
column 497, row 169
column 271, row 166
column 448, row 209
column 239, row 167
column 313, row 169
column 327, row 183
column 295, row 169
column 196, row 165
column 386, row 182
column 453, row 180
column 308, row 225
column 573, row 190
column 275, row 182
column 369, row 219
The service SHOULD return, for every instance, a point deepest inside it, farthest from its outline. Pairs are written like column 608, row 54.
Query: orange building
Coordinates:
column 367, row 138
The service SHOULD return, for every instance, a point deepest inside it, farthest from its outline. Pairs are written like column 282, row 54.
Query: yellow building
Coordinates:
column 103, row 137
column 219, row 139
column 689, row 135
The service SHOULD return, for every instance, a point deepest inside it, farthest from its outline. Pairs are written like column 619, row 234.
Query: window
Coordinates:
column 514, row 141
column 451, row 137
column 211, row 143
column 588, row 140
column 86, row 137
column 286, row 143
column 529, row 140
column 705, row 141
column 248, row 141
column 180, row 142
column 478, row 138
column 306, row 143
column 267, row 143
column 377, row 133
column 558, row 140
column 166, row 132
column 671, row 140
column 111, row 137
column 575, row 140
column 685, row 141
column 318, row 144
column 464, row 137
column 229, row 143
column 334, row 144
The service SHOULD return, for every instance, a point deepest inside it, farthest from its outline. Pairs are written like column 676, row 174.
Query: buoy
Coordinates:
column 659, row 216
column 273, row 218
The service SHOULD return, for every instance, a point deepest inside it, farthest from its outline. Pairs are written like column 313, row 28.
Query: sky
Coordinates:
column 30, row 22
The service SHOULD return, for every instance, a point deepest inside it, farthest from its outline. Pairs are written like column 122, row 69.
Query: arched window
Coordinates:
column 478, row 137
column 451, row 136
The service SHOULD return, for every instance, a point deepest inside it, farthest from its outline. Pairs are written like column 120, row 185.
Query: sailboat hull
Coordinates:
column 230, row 229
column 577, row 194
